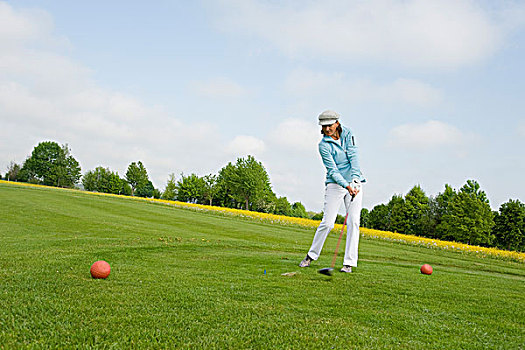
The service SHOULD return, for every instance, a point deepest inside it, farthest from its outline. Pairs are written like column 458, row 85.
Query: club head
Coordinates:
column 328, row 271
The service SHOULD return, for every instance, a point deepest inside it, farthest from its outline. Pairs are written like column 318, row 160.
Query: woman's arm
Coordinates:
column 352, row 154
column 331, row 167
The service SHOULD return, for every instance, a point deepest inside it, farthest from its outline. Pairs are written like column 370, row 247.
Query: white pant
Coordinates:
column 334, row 195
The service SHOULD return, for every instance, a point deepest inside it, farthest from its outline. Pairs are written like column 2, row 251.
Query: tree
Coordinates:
column 265, row 201
column 115, row 184
column 509, row 228
column 68, row 172
column 468, row 218
column 190, row 189
column 90, row 180
column 317, row 216
column 298, row 210
column 282, row 206
column 472, row 187
column 416, row 205
column 225, row 195
column 51, row 165
column 247, row 181
column 170, row 192
column 339, row 219
column 442, row 207
column 210, row 187
column 136, row 176
column 12, row 172
column 389, row 217
column 365, row 218
column 126, row 188
column 378, row 218
column 145, row 190
column 103, row 180
column 156, row 193
column 429, row 219
column 444, row 199
column 397, row 216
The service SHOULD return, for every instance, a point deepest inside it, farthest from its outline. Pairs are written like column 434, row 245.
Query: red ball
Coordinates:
column 100, row 269
column 426, row 269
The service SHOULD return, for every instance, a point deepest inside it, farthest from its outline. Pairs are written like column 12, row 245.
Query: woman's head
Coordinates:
column 329, row 121
column 332, row 130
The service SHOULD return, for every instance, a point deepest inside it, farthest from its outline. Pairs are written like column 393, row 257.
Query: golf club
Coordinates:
column 328, row 271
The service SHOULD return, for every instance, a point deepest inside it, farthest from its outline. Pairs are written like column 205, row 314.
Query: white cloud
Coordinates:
column 296, row 134
column 23, row 26
column 218, row 88
column 426, row 135
column 45, row 95
column 243, row 145
column 412, row 91
column 446, row 33
column 307, row 83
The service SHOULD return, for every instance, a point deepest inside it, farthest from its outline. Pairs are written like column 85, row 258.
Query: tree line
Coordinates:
column 244, row 184
column 462, row 215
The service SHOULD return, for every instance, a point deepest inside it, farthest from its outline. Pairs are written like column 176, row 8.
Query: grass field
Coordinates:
column 187, row 279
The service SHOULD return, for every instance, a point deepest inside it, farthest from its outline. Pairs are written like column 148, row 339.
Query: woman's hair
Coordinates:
column 339, row 129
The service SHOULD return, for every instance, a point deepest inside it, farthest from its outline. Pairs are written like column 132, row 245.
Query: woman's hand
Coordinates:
column 354, row 187
column 353, row 190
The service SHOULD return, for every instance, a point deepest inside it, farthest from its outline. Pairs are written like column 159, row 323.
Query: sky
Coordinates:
column 434, row 91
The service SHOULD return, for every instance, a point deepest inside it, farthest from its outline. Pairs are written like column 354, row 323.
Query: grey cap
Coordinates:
column 328, row 117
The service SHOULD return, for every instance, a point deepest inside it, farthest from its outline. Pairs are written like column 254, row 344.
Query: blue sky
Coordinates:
column 434, row 91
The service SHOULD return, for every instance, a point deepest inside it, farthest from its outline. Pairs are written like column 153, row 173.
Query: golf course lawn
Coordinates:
column 183, row 278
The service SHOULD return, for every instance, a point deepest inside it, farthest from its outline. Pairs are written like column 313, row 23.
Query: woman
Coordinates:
column 343, row 184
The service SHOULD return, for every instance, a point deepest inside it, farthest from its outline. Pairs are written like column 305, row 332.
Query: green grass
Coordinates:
column 189, row 279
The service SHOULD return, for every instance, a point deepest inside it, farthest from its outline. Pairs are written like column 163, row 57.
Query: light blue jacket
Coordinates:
column 342, row 165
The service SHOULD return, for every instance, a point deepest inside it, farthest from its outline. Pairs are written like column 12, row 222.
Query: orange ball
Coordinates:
column 426, row 269
column 100, row 269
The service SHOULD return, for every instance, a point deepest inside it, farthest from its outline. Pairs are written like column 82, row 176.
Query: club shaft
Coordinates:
column 339, row 242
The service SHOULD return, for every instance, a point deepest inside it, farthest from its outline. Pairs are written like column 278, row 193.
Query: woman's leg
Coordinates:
column 353, row 208
column 334, row 195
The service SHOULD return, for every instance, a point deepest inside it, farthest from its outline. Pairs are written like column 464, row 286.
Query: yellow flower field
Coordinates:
column 386, row 235
column 286, row 220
